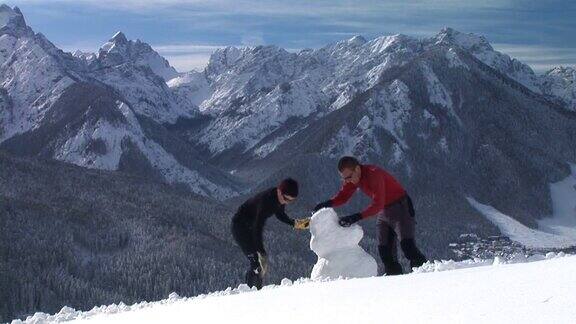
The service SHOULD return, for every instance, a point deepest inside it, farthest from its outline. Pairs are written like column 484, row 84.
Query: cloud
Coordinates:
column 188, row 62
column 186, row 57
column 182, row 49
column 541, row 58
column 84, row 46
column 280, row 7
column 253, row 40
column 307, row 24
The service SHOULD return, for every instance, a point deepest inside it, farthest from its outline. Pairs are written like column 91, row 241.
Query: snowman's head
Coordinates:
column 328, row 236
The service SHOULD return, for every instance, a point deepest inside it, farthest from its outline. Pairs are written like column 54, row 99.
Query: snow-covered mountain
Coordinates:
column 480, row 48
column 449, row 115
column 33, row 73
column 119, row 50
column 139, row 74
column 102, row 112
column 427, row 109
column 253, row 92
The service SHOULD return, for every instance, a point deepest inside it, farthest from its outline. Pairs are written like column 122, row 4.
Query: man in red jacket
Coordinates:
column 390, row 203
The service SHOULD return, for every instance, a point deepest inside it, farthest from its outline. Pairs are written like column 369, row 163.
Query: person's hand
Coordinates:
column 349, row 220
column 302, row 224
column 325, row 204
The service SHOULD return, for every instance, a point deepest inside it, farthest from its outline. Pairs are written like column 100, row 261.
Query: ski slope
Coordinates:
column 558, row 231
column 478, row 291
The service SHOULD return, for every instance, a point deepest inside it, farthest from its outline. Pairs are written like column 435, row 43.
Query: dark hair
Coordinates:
column 347, row 162
column 289, row 187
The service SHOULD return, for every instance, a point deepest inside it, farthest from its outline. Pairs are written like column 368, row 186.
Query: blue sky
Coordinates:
column 539, row 33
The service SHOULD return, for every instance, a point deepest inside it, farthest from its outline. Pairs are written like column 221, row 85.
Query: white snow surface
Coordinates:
column 339, row 254
column 519, row 232
column 474, row 291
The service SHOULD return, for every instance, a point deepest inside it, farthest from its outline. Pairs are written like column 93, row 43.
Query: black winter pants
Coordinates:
column 396, row 223
column 251, row 243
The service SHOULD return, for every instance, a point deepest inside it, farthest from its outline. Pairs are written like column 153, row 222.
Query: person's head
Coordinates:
column 349, row 169
column 287, row 191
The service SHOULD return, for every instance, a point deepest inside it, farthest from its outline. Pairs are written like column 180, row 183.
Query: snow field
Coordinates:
column 476, row 291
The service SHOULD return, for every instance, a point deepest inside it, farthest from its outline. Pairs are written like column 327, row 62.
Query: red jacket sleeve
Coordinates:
column 375, row 207
column 347, row 190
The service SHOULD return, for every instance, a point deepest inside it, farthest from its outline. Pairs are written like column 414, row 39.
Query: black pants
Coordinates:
column 396, row 223
column 251, row 243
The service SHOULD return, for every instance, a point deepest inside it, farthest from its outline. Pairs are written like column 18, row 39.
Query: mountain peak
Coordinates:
column 357, row 40
column 119, row 50
column 11, row 17
column 566, row 73
column 119, row 38
column 562, row 70
column 117, row 41
column 468, row 41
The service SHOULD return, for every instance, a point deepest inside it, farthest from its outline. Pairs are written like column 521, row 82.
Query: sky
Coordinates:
column 541, row 33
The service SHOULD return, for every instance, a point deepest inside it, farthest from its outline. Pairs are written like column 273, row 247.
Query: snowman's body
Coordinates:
column 339, row 254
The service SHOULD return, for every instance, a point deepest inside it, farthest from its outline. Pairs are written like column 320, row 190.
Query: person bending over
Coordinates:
column 390, row 204
column 248, row 225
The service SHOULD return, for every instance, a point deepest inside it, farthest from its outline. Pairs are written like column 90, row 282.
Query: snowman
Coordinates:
column 339, row 254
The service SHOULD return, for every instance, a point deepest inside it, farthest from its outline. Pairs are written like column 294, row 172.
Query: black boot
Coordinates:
column 391, row 265
column 254, row 274
column 253, row 279
column 412, row 253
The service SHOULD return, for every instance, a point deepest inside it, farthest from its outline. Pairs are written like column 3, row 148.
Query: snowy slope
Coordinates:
column 557, row 231
column 563, row 220
column 560, row 83
column 528, row 237
column 476, row 292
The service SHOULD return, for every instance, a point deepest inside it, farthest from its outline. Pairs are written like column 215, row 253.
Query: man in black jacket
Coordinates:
column 248, row 225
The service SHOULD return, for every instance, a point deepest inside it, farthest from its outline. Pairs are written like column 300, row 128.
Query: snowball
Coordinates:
column 339, row 254
column 244, row 288
column 286, row 282
column 173, row 296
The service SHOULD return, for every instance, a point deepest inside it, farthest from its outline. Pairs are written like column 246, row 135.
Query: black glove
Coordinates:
column 349, row 220
column 326, row 204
